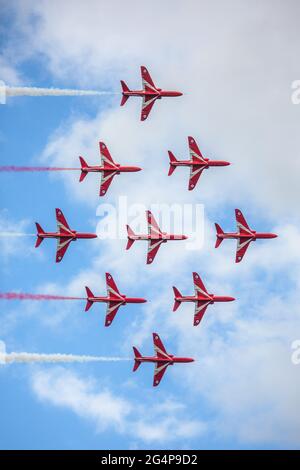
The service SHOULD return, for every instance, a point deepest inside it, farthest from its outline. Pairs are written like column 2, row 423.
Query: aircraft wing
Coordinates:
column 199, row 286
column 242, row 246
column 153, row 228
column 106, row 179
column 159, row 348
column 112, row 290
column 106, row 158
column 195, row 153
column 195, row 173
column 200, row 309
column 62, row 224
column 62, row 246
column 153, row 246
column 160, row 369
column 148, row 84
column 241, row 223
column 147, row 105
column 112, row 309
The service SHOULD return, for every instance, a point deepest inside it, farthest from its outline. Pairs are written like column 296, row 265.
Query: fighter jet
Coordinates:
column 202, row 299
column 108, row 169
column 114, row 299
column 197, row 163
column 162, row 359
column 155, row 237
column 64, row 235
column 244, row 235
column 150, row 93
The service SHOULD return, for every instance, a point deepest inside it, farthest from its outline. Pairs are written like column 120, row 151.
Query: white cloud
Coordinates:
column 161, row 423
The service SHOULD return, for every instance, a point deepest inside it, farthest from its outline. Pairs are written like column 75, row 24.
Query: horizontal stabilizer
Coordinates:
column 176, row 302
column 137, row 356
column 124, row 90
column 172, row 161
column 219, row 232
column 130, row 233
column 89, row 294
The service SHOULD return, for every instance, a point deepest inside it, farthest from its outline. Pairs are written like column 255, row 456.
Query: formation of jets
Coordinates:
column 155, row 237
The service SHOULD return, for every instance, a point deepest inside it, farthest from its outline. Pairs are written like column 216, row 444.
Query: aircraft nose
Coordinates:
column 184, row 237
column 230, row 299
column 273, row 235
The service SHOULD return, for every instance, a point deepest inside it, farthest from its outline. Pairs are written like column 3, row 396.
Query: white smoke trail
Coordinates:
column 35, row 91
column 16, row 234
column 30, row 358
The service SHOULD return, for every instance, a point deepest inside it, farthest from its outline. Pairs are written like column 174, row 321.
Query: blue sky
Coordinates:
column 236, row 66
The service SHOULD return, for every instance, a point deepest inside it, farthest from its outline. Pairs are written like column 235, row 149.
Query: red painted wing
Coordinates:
column 159, row 348
column 147, row 105
column 62, row 246
column 195, row 153
column 200, row 309
column 195, row 173
column 242, row 225
column 112, row 290
column 148, row 84
column 160, row 369
column 111, row 312
column 200, row 288
column 153, row 228
column 62, row 224
column 242, row 246
column 106, row 179
column 153, row 246
column 106, row 159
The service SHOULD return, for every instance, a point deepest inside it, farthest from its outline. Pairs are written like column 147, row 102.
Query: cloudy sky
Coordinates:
column 235, row 61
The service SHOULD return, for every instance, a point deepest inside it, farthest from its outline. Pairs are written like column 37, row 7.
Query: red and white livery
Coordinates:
column 150, row 93
column 197, row 163
column 155, row 237
column 202, row 299
column 114, row 299
column 108, row 169
column 162, row 359
column 244, row 235
column 64, row 235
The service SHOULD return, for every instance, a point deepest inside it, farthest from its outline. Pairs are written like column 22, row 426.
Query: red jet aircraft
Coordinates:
column 162, row 359
column 150, row 93
column 244, row 235
column 202, row 299
column 155, row 237
column 64, row 235
column 114, row 299
column 197, row 163
column 108, row 169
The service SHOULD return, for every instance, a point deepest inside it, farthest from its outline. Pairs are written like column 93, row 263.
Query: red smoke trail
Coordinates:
column 34, row 168
column 23, row 296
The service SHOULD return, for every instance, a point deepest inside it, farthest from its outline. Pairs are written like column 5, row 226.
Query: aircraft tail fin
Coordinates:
column 83, row 171
column 176, row 302
column 130, row 233
column 173, row 160
column 124, row 90
column 40, row 232
column 89, row 294
column 219, row 232
column 137, row 356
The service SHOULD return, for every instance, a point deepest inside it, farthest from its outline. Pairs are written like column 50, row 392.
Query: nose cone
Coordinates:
column 226, row 163
column 184, row 237
column 179, row 93
column 273, row 235
column 190, row 359
column 93, row 235
column 135, row 168
column 229, row 299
